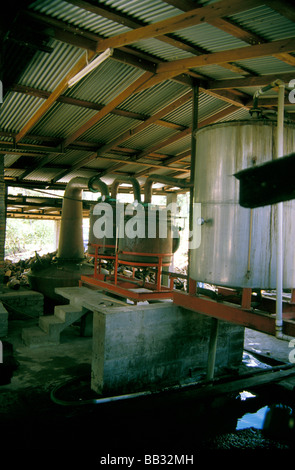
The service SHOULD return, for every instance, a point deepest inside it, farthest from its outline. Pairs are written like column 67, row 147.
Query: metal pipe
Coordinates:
column 164, row 180
column 96, row 185
column 70, row 246
column 279, row 228
column 192, row 175
column 279, row 225
column 126, row 179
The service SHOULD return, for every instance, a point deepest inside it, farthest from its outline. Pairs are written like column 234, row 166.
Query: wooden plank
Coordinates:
column 184, row 20
column 241, row 53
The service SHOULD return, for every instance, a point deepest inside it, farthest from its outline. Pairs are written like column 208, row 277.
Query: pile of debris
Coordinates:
column 16, row 273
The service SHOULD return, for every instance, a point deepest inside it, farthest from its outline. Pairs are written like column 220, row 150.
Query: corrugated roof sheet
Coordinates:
column 161, row 50
column 11, row 121
column 78, row 17
column 110, row 127
column 266, row 22
column 210, row 38
column 216, row 72
column 154, row 99
column 149, row 137
column 62, row 120
column 106, row 82
column 266, row 65
column 46, row 71
column 178, row 146
column 149, row 11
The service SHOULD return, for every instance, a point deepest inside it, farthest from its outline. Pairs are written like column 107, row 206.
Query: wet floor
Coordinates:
column 173, row 423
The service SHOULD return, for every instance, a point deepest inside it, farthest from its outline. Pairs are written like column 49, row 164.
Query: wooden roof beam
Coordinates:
column 176, row 23
column 241, row 53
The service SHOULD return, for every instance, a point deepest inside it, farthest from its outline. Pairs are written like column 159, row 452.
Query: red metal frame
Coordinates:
column 125, row 286
column 233, row 312
column 233, row 308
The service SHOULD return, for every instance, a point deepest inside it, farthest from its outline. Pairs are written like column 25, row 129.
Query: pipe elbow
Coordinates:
column 129, row 180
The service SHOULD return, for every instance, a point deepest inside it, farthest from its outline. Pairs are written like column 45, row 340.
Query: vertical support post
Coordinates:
column 2, row 217
column 212, row 348
column 95, row 260
column 159, row 273
column 193, row 164
column 246, row 297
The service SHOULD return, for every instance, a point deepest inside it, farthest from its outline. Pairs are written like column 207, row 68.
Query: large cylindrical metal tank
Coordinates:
column 156, row 238
column 238, row 245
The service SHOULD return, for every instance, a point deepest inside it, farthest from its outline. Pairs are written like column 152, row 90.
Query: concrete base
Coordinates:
column 23, row 301
column 143, row 347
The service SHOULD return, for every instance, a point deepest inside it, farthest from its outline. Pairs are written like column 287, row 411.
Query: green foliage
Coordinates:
column 28, row 235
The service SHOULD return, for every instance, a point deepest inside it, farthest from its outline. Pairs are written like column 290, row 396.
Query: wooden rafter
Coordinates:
column 241, row 53
column 182, row 21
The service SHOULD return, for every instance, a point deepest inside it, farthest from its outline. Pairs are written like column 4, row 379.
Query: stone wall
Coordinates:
column 26, row 302
column 136, row 348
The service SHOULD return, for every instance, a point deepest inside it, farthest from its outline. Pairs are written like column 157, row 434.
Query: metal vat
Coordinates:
column 238, row 245
column 144, row 248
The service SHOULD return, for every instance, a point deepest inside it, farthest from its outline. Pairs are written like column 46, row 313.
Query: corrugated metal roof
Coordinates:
column 78, row 17
column 210, row 38
column 266, row 22
column 149, row 137
column 148, row 11
column 12, row 121
column 207, row 106
column 106, row 82
column 216, row 72
column 154, row 99
column 62, row 120
column 178, row 146
column 46, row 71
column 110, row 127
column 266, row 65
column 161, row 49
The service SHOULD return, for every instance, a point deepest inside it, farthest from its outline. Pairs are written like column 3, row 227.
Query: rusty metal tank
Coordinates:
column 153, row 235
column 238, row 245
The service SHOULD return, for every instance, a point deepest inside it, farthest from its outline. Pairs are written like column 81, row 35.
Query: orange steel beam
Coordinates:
column 232, row 313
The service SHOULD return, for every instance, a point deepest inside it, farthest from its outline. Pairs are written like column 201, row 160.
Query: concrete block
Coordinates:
column 135, row 348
